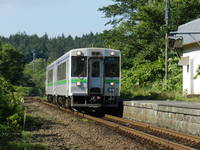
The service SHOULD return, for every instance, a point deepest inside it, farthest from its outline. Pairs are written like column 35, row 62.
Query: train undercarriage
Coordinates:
column 86, row 103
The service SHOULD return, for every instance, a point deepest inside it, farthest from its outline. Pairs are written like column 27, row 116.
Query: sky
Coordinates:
column 54, row 17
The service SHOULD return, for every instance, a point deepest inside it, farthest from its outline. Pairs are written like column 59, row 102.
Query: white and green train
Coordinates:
column 85, row 77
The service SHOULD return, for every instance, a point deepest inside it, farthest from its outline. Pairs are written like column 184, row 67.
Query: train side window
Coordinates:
column 61, row 71
column 50, row 76
column 67, row 68
column 95, row 69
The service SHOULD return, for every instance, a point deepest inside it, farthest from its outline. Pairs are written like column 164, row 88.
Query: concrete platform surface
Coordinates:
column 193, row 105
column 192, row 108
column 177, row 115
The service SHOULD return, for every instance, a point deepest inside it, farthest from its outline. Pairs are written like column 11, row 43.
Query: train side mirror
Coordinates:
column 175, row 41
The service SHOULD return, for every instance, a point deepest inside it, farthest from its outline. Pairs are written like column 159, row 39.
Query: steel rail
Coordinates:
column 159, row 142
column 191, row 138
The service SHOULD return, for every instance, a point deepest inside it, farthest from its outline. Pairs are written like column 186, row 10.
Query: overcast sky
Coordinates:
column 71, row 17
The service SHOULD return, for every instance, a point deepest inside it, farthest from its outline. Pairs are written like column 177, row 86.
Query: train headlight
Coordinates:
column 78, row 83
column 98, row 97
column 112, row 53
column 112, row 83
column 78, row 53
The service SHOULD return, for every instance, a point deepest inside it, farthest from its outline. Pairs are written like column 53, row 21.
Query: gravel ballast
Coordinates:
column 60, row 131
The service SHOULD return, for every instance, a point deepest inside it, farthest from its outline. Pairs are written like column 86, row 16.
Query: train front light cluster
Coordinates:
column 98, row 97
column 78, row 83
column 112, row 53
column 78, row 53
column 112, row 83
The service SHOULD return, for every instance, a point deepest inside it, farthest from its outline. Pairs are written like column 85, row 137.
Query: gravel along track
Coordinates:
column 62, row 131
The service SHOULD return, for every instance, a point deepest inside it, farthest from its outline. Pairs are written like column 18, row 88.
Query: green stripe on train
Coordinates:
column 79, row 80
column 58, row 82
column 61, row 82
column 67, row 81
column 108, row 81
column 50, row 84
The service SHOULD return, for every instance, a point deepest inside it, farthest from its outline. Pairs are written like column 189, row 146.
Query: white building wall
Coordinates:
column 191, row 85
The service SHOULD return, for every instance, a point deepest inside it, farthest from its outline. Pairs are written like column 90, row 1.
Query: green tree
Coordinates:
column 139, row 32
column 35, row 71
column 198, row 72
column 50, row 48
column 11, row 63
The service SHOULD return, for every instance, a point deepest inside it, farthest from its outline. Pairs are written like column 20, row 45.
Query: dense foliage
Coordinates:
column 49, row 48
column 11, row 63
column 12, row 119
column 10, row 112
column 36, row 71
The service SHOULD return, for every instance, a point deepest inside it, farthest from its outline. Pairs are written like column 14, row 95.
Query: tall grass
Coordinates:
column 148, row 92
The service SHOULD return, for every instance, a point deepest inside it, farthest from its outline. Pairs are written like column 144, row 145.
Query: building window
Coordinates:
column 61, row 71
column 188, row 68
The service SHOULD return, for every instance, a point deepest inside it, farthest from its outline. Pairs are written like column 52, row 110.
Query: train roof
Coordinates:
column 79, row 49
column 93, row 48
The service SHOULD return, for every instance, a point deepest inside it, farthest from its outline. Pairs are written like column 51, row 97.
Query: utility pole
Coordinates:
column 33, row 51
column 167, row 15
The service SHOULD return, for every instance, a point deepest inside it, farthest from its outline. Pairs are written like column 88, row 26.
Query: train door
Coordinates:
column 96, row 76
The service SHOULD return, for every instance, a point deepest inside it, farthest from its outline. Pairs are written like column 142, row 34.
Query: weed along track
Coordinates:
column 149, row 136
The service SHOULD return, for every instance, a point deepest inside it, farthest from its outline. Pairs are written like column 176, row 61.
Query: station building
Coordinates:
column 190, row 59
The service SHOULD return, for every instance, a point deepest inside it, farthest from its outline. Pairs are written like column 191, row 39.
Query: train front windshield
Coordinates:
column 112, row 67
column 79, row 66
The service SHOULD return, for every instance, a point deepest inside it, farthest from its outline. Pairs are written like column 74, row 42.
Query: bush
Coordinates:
column 24, row 143
column 24, row 146
column 145, row 81
column 10, row 104
column 11, row 112
column 21, row 91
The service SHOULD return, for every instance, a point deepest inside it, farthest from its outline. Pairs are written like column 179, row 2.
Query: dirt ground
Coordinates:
column 63, row 131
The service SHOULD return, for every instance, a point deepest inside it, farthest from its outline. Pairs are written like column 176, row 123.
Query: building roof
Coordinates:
column 192, row 26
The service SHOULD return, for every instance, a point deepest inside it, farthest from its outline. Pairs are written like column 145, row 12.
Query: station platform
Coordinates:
column 176, row 115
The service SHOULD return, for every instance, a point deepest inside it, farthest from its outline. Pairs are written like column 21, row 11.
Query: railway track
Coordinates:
column 171, row 135
column 159, row 138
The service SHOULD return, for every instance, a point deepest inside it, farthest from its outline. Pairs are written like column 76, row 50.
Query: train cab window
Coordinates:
column 61, row 71
column 50, row 76
column 112, row 66
column 95, row 69
column 79, row 66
